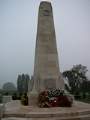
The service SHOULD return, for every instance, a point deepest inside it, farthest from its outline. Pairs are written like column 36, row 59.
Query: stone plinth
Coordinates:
column 79, row 111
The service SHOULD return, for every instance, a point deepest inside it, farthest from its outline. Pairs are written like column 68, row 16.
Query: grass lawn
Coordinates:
column 85, row 100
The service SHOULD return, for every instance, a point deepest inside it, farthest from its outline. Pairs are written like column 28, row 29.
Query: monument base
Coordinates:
column 33, row 98
column 79, row 111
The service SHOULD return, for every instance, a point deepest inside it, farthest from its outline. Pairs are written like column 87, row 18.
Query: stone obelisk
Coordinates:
column 46, row 68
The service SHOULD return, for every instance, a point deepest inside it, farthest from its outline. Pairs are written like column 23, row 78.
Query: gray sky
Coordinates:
column 18, row 27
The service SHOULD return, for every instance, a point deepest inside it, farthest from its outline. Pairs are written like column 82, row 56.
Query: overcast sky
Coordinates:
column 18, row 28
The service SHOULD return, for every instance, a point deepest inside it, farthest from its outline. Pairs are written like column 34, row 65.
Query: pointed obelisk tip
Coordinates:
column 46, row 5
column 45, row 2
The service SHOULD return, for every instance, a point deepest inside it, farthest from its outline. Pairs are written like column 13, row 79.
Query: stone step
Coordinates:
column 15, row 111
column 81, row 117
column 47, row 114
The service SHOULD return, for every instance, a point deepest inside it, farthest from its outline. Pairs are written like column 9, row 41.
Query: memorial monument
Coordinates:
column 46, row 67
column 46, row 76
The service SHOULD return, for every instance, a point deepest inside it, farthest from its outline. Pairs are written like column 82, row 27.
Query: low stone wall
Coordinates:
column 7, row 99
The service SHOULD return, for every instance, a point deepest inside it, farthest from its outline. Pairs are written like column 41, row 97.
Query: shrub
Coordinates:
column 0, row 98
column 24, row 99
column 16, row 96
